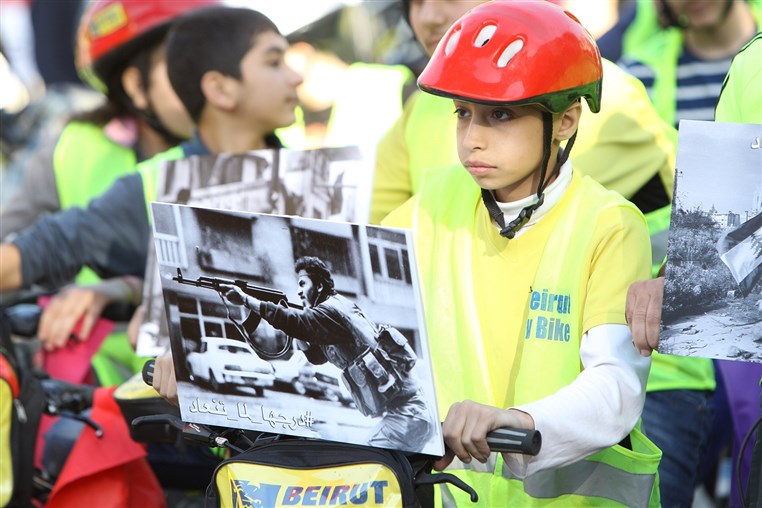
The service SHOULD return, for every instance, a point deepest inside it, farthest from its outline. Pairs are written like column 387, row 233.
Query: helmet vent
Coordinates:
column 452, row 42
column 484, row 35
column 509, row 52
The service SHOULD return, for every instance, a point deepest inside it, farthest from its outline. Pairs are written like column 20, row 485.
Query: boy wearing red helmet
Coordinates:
column 525, row 267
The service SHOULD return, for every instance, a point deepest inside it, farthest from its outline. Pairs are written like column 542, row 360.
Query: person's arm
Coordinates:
column 36, row 194
column 110, row 236
column 314, row 325
column 10, row 267
column 603, row 403
column 86, row 303
column 627, row 123
column 391, row 181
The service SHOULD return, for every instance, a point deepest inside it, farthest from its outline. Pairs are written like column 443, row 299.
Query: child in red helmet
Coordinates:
column 525, row 267
column 120, row 52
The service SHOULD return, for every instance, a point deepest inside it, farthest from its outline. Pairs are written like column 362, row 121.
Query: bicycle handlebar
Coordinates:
column 506, row 439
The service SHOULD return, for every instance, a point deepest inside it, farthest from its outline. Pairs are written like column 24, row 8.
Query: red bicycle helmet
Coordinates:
column 112, row 31
column 516, row 53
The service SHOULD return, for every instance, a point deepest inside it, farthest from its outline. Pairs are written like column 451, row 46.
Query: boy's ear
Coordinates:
column 568, row 122
column 134, row 87
column 219, row 90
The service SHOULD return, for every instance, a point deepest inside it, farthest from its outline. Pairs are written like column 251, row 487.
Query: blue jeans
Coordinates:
column 679, row 423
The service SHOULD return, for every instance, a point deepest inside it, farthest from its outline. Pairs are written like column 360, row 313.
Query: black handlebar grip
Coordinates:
column 148, row 372
column 512, row 440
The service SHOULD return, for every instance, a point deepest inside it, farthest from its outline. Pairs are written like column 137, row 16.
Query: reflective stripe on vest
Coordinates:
column 86, row 162
column 614, row 474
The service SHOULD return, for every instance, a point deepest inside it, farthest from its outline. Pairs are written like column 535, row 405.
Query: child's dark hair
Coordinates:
column 119, row 103
column 212, row 39
column 317, row 271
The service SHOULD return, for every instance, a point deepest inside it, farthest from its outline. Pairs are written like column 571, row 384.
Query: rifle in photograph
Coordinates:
column 260, row 292
column 268, row 345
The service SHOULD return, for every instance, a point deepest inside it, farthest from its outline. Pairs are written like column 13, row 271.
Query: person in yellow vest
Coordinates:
column 638, row 21
column 683, row 66
column 740, row 101
column 626, row 147
column 120, row 52
column 524, row 268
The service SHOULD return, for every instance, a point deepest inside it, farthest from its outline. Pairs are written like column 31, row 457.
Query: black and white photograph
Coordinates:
column 325, row 183
column 713, row 296
column 297, row 326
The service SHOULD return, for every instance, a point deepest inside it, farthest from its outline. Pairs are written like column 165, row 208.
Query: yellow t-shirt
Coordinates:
column 502, row 273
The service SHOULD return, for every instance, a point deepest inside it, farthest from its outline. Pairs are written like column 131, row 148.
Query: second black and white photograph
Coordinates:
column 325, row 183
column 712, row 297
column 297, row 326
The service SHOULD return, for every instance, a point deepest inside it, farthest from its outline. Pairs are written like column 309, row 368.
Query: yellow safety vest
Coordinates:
column 613, row 477
column 741, row 96
column 86, row 162
column 150, row 171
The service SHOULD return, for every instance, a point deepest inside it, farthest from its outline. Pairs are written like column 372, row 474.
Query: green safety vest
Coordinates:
column 646, row 24
column 86, row 162
column 741, row 96
column 151, row 169
column 615, row 476
column 661, row 53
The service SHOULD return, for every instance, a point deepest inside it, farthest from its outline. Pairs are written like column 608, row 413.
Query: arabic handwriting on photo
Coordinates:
column 304, row 420
column 196, row 406
column 243, row 412
column 755, row 144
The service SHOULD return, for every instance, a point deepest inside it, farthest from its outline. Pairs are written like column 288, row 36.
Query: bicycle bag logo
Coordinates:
column 247, row 485
column 250, row 495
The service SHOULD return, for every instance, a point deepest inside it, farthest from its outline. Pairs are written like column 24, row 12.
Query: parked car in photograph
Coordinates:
column 324, row 382
column 227, row 362
column 287, row 372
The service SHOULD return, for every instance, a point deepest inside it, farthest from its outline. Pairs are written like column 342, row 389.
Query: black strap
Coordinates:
column 509, row 231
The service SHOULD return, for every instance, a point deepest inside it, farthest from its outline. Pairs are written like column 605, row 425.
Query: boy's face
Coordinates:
column 430, row 19
column 267, row 91
column 501, row 147
column 699, row 13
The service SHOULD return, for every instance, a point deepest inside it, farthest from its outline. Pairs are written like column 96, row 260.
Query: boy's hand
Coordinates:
column 466, row 426
column 643, row 313
column 64, row 311
column 164, row 380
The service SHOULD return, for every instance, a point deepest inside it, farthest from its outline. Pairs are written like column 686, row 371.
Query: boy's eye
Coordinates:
column 461, row 113
column 501, row 114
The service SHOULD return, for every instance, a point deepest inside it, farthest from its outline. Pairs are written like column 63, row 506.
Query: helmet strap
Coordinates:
column 509, row 231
